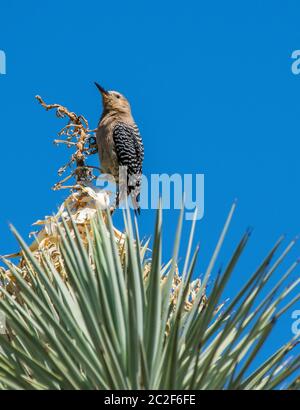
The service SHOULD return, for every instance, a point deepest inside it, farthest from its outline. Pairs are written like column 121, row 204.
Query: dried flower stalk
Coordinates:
column 77, row 134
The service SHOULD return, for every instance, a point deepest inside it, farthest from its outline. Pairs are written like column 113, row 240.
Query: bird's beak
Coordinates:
column 101, row 89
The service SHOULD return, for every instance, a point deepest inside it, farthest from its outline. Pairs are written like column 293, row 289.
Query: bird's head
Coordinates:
column 113, row 100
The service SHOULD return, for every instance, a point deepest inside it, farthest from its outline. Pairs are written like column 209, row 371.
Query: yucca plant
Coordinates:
column 103, row 315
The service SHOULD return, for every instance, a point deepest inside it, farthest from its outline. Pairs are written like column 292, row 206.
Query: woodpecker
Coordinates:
column 120, row 146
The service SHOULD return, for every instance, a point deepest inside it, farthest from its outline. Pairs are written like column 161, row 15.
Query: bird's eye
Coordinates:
column 117, row 96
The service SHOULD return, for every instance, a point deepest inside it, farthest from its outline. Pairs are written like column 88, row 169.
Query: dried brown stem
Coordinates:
column 77, row 130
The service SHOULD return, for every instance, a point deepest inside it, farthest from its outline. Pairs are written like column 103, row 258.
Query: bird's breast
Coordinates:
column 107, row 154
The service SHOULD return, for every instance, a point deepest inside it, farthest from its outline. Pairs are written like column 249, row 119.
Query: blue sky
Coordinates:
column 211, row 87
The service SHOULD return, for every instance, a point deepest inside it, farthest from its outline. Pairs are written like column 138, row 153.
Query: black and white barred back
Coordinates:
column 130, row 153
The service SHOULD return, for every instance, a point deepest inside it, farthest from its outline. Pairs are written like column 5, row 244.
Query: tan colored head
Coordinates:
column 113, row 101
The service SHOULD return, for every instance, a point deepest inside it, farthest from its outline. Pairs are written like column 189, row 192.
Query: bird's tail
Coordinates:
column 136, row 205
column 137, row 211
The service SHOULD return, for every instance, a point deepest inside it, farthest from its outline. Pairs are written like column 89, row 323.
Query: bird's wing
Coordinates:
column 130, row 153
